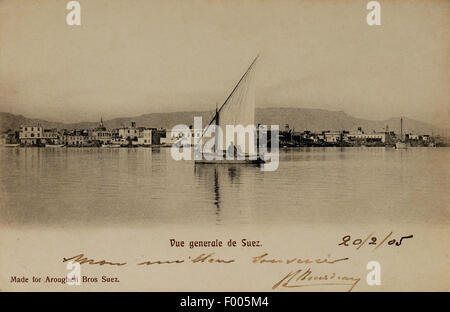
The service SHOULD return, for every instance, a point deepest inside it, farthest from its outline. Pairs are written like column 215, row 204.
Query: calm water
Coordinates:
column 71, row 186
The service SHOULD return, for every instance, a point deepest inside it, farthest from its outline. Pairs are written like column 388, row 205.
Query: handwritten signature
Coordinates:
column 306, row 278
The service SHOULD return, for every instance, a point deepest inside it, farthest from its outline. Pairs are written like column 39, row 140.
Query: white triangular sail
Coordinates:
column 239, row 110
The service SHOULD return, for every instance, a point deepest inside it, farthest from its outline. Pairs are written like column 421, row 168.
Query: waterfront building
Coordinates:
column 170, row 137
column 50, row 136
column 9, row 137
column 77, row 138
column 321, row 137
column 114, row 133
column 145, row 137
column 130, row 133
column 190, row 137
column 101, row 134
column 31, row 135
column 308, row 137
column 367, row 137
column 332, row 136
column 4, row 139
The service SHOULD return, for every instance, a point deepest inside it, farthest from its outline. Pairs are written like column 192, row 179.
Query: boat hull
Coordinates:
column 230, row 161
column 54, row 145
column 213, row 160
column 400, row 145
column 110, row 146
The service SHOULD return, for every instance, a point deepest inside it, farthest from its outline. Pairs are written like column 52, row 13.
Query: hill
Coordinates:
column 297, row 118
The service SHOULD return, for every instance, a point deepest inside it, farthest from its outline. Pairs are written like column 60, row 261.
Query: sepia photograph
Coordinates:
column 224, row 146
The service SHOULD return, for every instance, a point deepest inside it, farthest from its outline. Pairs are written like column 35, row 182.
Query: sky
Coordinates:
column 130, row 57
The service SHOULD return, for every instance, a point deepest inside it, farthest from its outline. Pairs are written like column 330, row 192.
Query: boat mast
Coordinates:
column 401, row 128
column 217, row 116
column 216, row 138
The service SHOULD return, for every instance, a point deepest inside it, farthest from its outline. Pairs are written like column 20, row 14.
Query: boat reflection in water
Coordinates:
column 226, row 188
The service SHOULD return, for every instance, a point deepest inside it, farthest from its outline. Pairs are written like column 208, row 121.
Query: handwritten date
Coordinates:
column 371, row 239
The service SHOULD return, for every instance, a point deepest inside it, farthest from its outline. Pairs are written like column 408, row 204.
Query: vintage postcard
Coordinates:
column 209, row 145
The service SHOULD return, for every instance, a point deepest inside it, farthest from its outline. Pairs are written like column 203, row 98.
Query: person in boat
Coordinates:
column 233, row 151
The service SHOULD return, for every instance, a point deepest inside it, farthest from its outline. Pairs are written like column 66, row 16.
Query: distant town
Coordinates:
column 133, row 136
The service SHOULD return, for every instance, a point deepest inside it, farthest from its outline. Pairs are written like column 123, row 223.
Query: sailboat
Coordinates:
column 238, row 109
column 401, row 143
column 54, row 145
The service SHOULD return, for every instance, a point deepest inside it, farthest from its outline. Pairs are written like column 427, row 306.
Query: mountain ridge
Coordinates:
column 313, row 119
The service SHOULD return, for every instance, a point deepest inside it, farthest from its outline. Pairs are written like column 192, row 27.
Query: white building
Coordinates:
column 332, row 136
column 145, row 137
column 190, row 137
column 101, row 133
column 131, row 132
column 31, row 135
column 76, row 139
column 376, row 136
column 50, row 136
